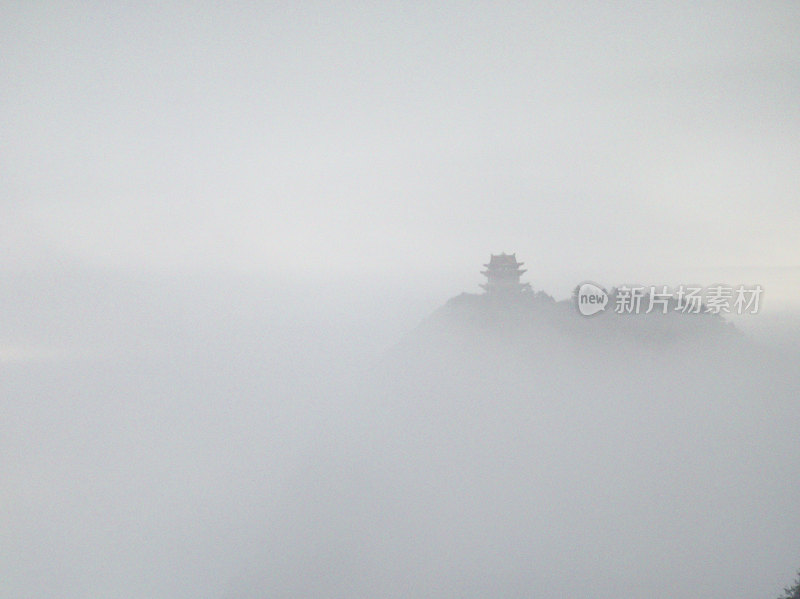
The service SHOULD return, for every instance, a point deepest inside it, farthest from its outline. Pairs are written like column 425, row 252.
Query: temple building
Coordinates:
column 503, row 273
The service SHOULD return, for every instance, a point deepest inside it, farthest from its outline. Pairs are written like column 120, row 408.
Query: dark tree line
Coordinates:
column 792, row 592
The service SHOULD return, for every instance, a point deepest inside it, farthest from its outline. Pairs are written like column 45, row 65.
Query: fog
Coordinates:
column 243, row 350
column 226, row 438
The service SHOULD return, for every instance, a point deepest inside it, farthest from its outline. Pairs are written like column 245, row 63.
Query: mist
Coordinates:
column 224, row 438
column 243, row 350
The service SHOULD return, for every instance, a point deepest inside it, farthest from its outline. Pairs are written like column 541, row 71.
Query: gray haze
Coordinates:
column 227, row 237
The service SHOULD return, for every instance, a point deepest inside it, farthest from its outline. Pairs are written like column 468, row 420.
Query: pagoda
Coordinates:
column 503, row 273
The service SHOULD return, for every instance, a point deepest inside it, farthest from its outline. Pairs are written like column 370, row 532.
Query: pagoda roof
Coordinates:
column 517, row 271
column 503, row 260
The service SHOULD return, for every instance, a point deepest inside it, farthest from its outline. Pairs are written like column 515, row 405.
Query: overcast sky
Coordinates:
column 628, row 142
